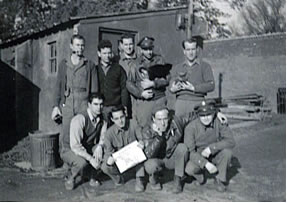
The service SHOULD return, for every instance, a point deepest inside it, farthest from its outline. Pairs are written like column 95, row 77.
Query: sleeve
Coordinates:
column 189, row 141
column 152, row 143
column 131, row 84
column 225, row 140
column 208, row 85
column 60, row 83
column 173, row 76
column 94, row 83
column 124, row 92
column 108, row 146
column 76, row 137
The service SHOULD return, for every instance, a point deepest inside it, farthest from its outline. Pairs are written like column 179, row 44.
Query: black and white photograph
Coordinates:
column 143, row 100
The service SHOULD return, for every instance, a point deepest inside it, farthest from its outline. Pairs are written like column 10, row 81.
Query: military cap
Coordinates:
column 206, row 107
column 157, row 108
column 146, row 43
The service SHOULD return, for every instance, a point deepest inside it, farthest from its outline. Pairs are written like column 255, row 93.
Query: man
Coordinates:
column 77, row 78
column 128, row 60
column 209, row 142
column 87, row 131
column 163, row 148
column 112, row 79
column 148, row 93
column 122, row 133
column 191, row 80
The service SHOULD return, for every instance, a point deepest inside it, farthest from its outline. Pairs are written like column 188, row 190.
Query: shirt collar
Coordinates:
column 125, row 57
column 82, row 61
column 118, row 129
column 187, row 63
column 94, row 120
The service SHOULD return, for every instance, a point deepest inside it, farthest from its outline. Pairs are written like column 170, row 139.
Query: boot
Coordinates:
column 70, row 183
column 220, row 187
column 139, row 187
column 119, row 180
column 154, row 183
column 178, row 186
column 199, row 179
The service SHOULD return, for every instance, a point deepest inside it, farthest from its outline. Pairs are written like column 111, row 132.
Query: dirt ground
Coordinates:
column 258, row 173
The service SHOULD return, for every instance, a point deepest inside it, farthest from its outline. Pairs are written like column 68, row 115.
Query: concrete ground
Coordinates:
column 258, row 173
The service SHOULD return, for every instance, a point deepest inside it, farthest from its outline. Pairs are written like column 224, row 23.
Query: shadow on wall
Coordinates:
column 19, row 107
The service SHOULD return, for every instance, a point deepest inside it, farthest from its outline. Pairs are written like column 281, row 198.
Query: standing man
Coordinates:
column 112, row 79
column 163, row 148
column 77, row 78
column 148, row 93
column 87, row 131
column 191, row 80
column 209, row 142
column 122, row 133
column 128, row 60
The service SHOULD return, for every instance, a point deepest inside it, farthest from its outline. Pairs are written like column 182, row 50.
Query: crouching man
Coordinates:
column 120, row 134
column 86, row 141
column 163, row 149
column 209, row 142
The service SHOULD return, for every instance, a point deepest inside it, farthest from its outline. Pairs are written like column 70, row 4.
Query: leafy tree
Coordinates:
column 262, row 16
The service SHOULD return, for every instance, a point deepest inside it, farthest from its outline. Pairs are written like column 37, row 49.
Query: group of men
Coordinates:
column 107, row 106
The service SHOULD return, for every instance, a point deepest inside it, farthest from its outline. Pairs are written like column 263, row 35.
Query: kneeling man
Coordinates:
column 162, row 147
column 209, row 142
column 87, row 131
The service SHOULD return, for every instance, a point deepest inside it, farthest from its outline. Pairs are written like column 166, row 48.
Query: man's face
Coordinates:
column 119, row 118
column 105, row 54
column 147, row 53
column 206, row 120
column 190, row 51
column 96, row 106
column 161, row 119
column 78, row 47
column 128, row 46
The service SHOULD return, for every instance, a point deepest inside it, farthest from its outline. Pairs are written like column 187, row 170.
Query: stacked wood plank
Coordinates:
column 251, row 107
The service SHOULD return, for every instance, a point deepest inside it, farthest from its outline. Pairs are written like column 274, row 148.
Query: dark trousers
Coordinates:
column 177, row 162
column 221, row 160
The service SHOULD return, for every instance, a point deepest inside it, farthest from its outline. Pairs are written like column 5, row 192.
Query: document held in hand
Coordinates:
column 129, row 156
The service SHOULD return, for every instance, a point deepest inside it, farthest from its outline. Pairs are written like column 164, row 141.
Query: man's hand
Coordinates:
column 141, row 144
column 110, row 161
column 95, row 163
column 222, row 118
column 176, row 86
column 147, row 94
column 206, row 152
column 211, row 168
column 98, row 153
column 56, row 111
column 146, row 83
column 187, row 86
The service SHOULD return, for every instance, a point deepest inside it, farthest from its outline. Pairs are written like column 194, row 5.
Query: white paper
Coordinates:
column 129, row 156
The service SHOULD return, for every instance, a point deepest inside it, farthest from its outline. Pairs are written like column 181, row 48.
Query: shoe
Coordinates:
column 70, row 184
column 178, row 186
column 154, row 182
column 199, row 179
column 119, row 180
column 94, row 183
column 139, row 187
column 220, row 187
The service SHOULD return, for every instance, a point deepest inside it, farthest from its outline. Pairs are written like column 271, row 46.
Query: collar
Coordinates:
column 92, row 118
column 118, row 129
column 83, row 60
column 127, row 57
column 187, row 63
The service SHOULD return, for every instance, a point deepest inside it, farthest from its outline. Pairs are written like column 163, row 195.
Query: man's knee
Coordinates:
column 80, row 162
column 152, row 166
column 227, row 153
column 181, row 149
column 191, row 168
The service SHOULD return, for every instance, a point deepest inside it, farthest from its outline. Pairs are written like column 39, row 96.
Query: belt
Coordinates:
column 77, row 89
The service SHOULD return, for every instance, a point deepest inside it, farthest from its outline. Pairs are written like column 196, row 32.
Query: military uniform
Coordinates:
column 74, row 84
column 217, row 136
column 143, row 107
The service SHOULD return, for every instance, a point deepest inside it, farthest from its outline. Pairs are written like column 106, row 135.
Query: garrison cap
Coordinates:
column 206, row 107
column 146, row 43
